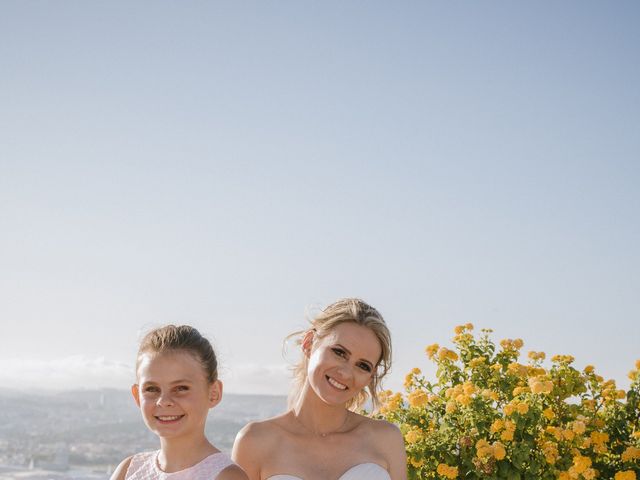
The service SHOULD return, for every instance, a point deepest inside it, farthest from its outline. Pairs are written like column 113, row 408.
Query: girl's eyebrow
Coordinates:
column 182, row 380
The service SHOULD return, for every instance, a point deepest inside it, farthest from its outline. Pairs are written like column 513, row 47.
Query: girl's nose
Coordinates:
column 164, row 400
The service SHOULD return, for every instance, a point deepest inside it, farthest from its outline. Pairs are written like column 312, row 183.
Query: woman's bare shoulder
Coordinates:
column 263, row 429
column 380, row 431
column 232, row 472
column 255, row 442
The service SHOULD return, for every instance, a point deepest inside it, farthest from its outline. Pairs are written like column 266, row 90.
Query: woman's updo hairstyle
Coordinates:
column 347, row 310
column 185, row 338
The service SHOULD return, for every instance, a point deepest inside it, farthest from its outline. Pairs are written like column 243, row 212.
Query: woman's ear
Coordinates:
column 215, row 393
column 307, row 342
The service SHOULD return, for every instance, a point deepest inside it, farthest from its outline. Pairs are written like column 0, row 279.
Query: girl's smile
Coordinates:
column 173, row 393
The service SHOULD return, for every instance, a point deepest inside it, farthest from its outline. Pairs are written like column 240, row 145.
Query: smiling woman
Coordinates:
column 177, row 384
column 345, row 354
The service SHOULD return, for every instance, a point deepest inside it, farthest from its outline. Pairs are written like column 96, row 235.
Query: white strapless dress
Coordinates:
column 362, row 471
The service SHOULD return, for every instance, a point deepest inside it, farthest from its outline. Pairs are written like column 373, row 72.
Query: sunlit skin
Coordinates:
column 319, row 439
column 174, row 396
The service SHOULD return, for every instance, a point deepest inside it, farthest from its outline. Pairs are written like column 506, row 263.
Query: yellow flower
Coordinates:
column 536, row 355
column 507, row 436
column 445, row 353
column 496, row 426
column 550, row 451
column 518, row 390
column 625, row 475
column 548, row 413
column 631, row 453
column 581, row 463
column 483, row 449
column 578, row 427
column 413, row 436
column 451, row 407
column 499, row 451
column 469, row 388
column 416, row 462
column 459, row 329
column 432, row 349
column 476, row 362
column 418, row 398
column 469, row 326
column 589, row 369
column 517, row 369
column 447, row 471
column 522, row 408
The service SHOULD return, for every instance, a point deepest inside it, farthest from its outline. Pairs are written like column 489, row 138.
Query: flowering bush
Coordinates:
column 488, row 416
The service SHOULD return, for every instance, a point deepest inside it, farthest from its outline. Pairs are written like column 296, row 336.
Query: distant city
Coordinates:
column 82, row 435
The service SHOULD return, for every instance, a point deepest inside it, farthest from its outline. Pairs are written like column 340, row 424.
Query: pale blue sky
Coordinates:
column 228, row 164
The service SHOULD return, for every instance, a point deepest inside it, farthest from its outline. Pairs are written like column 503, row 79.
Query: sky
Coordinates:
column 238, row 165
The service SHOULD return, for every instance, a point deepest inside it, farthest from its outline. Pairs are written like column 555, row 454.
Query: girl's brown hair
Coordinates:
column 172, row 338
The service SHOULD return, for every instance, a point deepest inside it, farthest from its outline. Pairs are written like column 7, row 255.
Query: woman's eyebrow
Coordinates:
column 349, row 352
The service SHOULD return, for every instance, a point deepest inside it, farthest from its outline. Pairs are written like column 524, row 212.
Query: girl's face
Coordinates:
column 342, row 363
column 173, row 393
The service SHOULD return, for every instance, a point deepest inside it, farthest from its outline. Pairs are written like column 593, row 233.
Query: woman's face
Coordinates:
column 343, row 362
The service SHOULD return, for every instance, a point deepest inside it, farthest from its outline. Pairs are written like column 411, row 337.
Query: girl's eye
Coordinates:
column 182, row 388
column 151, row 389
column 339, row 352
column 366, row 367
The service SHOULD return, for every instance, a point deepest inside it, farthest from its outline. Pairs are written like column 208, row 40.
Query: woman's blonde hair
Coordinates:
column 347, row 310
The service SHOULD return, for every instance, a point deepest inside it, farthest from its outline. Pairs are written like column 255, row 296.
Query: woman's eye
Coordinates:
column 366, row 367
column 339, row 352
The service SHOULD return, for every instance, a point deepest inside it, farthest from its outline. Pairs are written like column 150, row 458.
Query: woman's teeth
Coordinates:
column 336, row 384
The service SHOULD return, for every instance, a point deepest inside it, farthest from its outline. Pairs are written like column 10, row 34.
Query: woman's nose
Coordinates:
column 346, row 371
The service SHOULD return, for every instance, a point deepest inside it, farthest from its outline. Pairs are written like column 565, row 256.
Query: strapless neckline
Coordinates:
column 361, row 471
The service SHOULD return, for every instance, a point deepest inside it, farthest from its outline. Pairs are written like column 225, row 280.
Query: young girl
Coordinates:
column 177, row 375
column 345, row 354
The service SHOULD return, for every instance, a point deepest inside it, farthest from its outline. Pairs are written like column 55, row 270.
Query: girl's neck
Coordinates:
column 178, row 454
column 317, row 416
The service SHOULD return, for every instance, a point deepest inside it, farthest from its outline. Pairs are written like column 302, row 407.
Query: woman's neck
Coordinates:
column 179, row 453
column 318, row 417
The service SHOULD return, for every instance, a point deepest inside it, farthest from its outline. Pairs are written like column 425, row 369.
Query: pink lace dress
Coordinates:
column 144, row 466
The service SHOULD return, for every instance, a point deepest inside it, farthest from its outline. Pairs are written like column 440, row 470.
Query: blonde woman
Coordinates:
column 345, row 354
